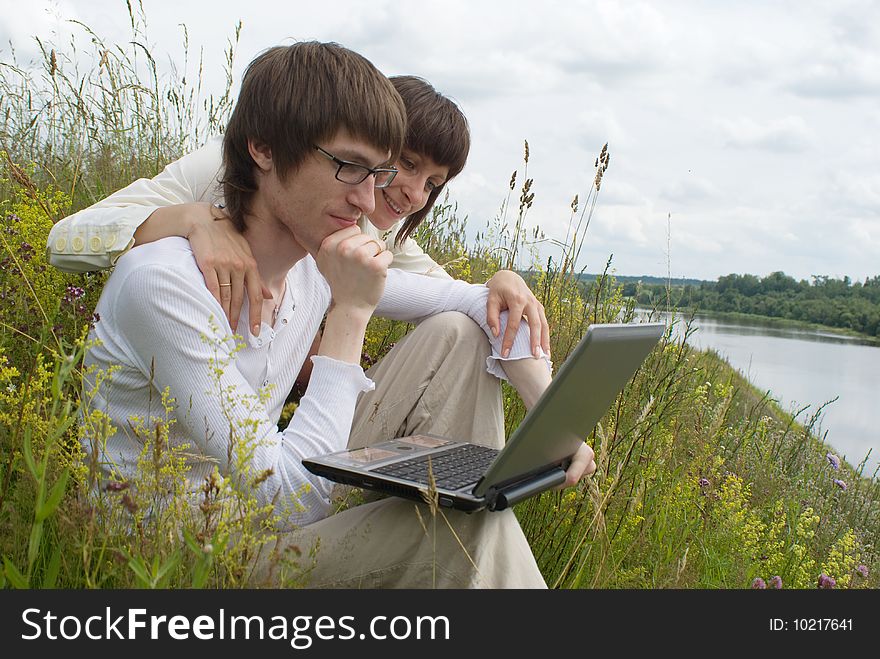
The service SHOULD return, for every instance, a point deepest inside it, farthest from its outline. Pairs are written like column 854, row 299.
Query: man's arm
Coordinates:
column 162, row 318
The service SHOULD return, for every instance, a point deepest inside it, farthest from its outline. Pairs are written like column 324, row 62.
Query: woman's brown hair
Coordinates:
column 435, row 127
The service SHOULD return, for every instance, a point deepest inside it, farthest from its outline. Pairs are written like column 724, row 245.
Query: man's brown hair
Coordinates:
column 435, row 127
column 294, row 97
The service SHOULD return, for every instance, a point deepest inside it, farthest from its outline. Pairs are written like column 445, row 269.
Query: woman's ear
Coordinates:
column 261, row 154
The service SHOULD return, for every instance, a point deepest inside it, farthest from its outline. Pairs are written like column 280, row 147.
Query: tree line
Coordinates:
column 823, row 300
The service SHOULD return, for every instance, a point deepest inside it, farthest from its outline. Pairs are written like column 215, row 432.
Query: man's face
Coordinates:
column 312, row 203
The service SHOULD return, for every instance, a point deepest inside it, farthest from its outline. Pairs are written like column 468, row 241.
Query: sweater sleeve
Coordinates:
column 413, row 297
column 164, row 318
column 408, row 255
column 95, row 237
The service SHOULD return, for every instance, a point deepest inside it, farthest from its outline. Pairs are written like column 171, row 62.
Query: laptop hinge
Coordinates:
column 506, row 497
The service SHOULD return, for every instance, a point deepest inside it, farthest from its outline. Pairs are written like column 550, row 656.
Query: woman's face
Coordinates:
column 417, row 176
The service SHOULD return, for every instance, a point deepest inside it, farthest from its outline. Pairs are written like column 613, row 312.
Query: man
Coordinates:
column 312, row 134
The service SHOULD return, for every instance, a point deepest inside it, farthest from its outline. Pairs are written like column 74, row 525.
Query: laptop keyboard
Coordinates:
column 453, row 468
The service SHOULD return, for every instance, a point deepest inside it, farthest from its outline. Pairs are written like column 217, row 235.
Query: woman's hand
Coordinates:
column 583, row 463
column 507, row 290
column 227, row 264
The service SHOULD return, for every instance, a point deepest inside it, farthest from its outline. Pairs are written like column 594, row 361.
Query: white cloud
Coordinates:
column 789, row 134
column 839, row 72
column 694, row 189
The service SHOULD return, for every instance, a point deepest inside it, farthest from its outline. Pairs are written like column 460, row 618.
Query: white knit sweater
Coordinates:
column 163, row 330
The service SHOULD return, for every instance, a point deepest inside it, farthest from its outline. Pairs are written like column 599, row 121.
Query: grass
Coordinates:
column 703, row 482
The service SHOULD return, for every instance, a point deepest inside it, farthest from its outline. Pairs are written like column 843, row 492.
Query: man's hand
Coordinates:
column 227, row 264
column 356, row 267
column 507, row 290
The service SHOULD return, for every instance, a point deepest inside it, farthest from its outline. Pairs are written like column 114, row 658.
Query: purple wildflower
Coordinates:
column 759, row 583
column 841, row 484
column 833, row 460
column 863, row 570
column 73, row 293
column 26, row 251
column 776, row 582
column 703, row 482
column 826, row 582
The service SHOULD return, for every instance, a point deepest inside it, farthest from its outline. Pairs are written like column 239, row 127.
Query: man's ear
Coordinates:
column 261, row 154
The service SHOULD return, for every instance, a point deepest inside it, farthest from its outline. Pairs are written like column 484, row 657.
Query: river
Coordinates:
column 806, row 367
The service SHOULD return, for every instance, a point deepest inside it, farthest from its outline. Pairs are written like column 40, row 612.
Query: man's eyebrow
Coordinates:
column 359, row 158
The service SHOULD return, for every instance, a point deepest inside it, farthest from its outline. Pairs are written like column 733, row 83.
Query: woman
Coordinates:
column 436, row 149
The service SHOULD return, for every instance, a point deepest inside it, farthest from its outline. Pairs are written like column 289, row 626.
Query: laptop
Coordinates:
column 468, row 476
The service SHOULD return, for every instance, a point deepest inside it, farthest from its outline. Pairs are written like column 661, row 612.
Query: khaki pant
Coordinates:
column 432, row 381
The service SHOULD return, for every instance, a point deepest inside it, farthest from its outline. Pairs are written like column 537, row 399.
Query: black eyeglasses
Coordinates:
column 354, row 173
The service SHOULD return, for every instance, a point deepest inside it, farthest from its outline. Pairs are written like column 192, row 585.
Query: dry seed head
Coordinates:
column 513, row 180
column 129, row 503
column 19, row 175
column 263, row 476
column 53, row 63
column 527, row 150
column 574, row 204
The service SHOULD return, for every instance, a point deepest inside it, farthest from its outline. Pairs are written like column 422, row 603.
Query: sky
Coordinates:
column 744, row 137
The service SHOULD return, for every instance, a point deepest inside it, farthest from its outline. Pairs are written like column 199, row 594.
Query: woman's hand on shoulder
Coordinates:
column 227, row 264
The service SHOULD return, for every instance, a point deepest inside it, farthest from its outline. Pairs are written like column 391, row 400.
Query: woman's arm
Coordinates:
column 180, row 201
column 95, row 237
column 507, row 290
column 412, row 297
column 408, row 255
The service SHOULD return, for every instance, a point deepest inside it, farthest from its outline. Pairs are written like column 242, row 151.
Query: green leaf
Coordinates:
column 61, row 428
column 140, row 571
column 28, row 454
column 167, row 570
column 191, row 542
column 54, row 497
column 202, row 571
column 50, row 578
column 34, row 544
column 16, row 578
